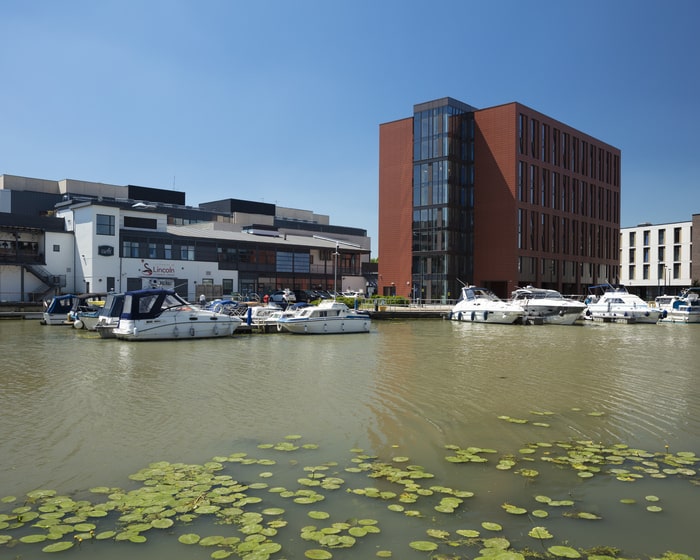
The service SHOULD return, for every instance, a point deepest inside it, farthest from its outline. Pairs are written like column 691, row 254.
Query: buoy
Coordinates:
column 459, row 316
column 486, row 315
column 78, row 324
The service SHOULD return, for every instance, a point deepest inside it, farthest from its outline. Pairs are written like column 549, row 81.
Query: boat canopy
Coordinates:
column 61, row 304
column 149, row 304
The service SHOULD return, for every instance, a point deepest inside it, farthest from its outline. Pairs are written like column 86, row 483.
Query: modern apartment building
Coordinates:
column 500, row 197
column 658, row 259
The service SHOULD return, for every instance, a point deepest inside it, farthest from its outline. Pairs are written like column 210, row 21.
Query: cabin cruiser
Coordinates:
column 481, row 305
column 548, row 306
column 108, row 318
column 56, row 311
column 328, row 317
column 616, row 304
column 161, row 314
column 85, row 309
column 683, row 308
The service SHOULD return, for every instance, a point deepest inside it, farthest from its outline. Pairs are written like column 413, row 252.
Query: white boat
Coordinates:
column 108, row 318
column 85, row 309
column 57, row 310
column 160, row 314
column 328, row 317
column 610, row 304
column 684, row 308
column 548, row 306
column 481, row 305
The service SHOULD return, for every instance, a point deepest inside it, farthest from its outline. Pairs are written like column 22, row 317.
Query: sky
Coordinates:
column 281, row 101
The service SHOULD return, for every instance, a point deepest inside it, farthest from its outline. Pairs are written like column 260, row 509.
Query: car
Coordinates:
column 282, row 297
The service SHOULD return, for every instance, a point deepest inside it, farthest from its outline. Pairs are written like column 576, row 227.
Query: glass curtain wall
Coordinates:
column 443, row 199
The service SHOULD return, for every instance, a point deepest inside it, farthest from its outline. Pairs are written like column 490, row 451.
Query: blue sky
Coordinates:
column 281, row 102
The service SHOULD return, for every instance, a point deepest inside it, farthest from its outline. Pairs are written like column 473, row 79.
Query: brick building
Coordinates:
column 499, row 197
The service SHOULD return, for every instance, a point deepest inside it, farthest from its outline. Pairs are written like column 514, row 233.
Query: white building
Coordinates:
column 658, row 259
column 75, row 237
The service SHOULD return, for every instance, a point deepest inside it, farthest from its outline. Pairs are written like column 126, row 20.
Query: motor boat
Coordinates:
column 85, row 309
column 481, row 305
column 57, row 310
column 161, row 314
column 548, row 306
column 683, row 308
column 108, row 318
column 328, row 317
column 615, row 304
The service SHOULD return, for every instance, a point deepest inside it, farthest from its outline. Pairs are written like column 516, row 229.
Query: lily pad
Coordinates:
column 425, row 546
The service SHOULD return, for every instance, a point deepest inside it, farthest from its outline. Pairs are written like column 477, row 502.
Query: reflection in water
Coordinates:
column 77, row 411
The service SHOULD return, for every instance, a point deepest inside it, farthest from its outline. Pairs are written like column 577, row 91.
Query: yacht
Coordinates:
column 548, row 306
column 481, row 305
column 161, row 314
column 683, row 308
column 328, row 317
column 615, row 304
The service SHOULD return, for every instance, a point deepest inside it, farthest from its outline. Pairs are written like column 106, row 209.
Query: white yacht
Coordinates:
column 160, row 314
column 683, row 308
column 609, row 304
column 548, row 306
column 328, row 317
column 481, row 305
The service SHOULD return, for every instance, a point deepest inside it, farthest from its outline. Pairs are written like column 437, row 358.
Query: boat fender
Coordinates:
column 561, row 313
column 459, row 316
column 449, row 315
column 176, row 332
column 136, row 332
column 216, row 331
column 664, row 314
column 191, row 331
column 486, row 315
column 588, row 312
column 279, row 327
column 646, row 314
column 473, row 315
column 78, row 324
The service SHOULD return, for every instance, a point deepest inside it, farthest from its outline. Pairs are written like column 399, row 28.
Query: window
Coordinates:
column 662, row 254
column 104, row 224
column 645, row 272
column 646, row 237
column 677, row 235
column 631, row 272
column 646, row 254
column 662, row 236
column 130, row 249
column 168, row 251
column 152, row 251
column 187, row 252
column 56, row 248
column 632, row 238
column 631, row 259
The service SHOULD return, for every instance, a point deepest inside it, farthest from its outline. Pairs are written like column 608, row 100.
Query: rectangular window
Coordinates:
column 662, row 236
column 677, row 253
column 631, row 255
column 645, row 235
column 677, row 235
column 187, row 252
column 645, row 272
column 152, row 251
column 130, row 249
column 631, row 272
column 56, row 248
column 167, row 251
column 646, row 254
column 104, row 224
column 662, row 254
column 632, row 238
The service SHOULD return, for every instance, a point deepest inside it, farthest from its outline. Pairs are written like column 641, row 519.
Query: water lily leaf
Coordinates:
column 539, row 513
column 651, row 498
column 162, row 523
column 564, row 552
column 654, row 509
column 540, row 533
column 33, row 538
column 189, row 538
column 318, row 515
column 318, row 554
column 384, row 554
column 491, row 526
column 425, row 546
column 219, row 554
column 211, row 541
column 58, row 546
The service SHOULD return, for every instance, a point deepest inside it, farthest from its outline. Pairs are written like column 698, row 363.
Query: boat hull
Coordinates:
column 495, row 316
column 155, row 329
column 681, row 317
column 328, row 325
column 650, row 316
column 554, row 316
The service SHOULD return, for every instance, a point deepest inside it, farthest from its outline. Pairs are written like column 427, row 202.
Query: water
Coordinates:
column 77, row 412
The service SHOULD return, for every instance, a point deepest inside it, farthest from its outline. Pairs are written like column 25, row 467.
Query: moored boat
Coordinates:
column 328, row 317
column 481, row 305
column 108, row 318
column 548, row 306
column 56, row 312
column 160, row 314
column 616, row 305
column 85, row 310
column 683, row 308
